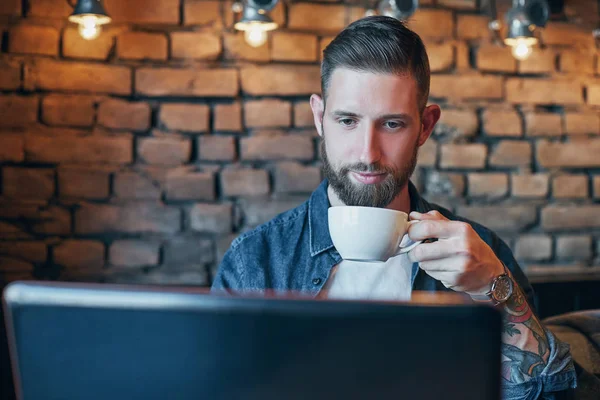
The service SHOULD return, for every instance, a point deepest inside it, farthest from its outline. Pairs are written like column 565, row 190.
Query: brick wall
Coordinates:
column 139, row 156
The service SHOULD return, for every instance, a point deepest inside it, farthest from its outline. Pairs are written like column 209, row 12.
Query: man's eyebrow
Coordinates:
column 404, row 116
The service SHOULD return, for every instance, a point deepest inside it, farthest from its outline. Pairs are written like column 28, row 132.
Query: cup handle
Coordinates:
column 402, row 250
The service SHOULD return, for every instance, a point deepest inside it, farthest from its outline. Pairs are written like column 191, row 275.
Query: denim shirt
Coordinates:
column 294, row 252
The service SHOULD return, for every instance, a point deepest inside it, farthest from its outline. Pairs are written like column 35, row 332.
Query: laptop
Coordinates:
column 98, row 341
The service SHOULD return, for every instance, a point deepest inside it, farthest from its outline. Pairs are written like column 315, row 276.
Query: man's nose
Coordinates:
column 371, row 149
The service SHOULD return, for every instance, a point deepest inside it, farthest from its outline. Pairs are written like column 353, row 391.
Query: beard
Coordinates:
column 367, row 195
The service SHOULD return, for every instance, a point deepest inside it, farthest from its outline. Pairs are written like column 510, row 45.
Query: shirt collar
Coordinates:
column 318, row 226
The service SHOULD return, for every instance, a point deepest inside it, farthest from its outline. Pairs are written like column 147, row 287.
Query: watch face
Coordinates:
column 502, row 289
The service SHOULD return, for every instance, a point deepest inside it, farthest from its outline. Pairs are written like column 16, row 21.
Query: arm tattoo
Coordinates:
column 525, row 348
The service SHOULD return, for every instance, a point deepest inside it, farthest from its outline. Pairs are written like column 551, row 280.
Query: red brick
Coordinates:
column 12, row 232
column 12, row 147
column 18, row 111
column 534, row 247
column 427, row 22
column 495, row 59
column 281, row 80
column 10, row 7
column 441, row 56
column 467, row 86
column 292, row 177
column 303, row 116
column 34, row 251
column 202, row 13
column 142, row 46
column 187, row 82
column 68, row 110
column 277, row 147
column 10, row 75
column 465, row 121
column 244, row 182
column 81, row 77
column 505, row 218
column 463, row 156
column 133, row 253
column 228, row 117
column 267, row 113
column 74, row 46
column 428, row 154
column 469, row 26
column 510, row 153
column 567, row 34
column 195, row 45
column 211, row 218
column 185, row 117
column 593, row 94
column 580, row 154
column 236, row 48
column 502, row 123
column 574, row 247
column 48, row 8
column 120, row 114
column 34, row 39
column 87, row 184
column 541, row 61
column 289, row 46
column 444, row 184
column 316, row 17
column 488, row 185
column 543, row 91
column 459, row 4
column 577, row 61
column 52, row 221
column 562, row 218
column 80, row 150
column 79, row 254
column 187, row 185
column 530, row 185
column 570, row 186
column 582, row 123
column 543, row 124
column 28, row 183
column 216, row 148
column 136, row 185
column 596, row 185
column 132, row 218
column 144, row 11
column 167, row 150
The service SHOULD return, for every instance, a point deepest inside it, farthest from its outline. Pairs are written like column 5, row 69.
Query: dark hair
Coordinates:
column 378, row 44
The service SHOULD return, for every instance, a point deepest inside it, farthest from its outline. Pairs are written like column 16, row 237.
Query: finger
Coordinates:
column 440, row 249
column 436, row 229
column 430, row 215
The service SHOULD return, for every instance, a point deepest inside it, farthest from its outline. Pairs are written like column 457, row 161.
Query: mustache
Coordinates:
column 377, row 168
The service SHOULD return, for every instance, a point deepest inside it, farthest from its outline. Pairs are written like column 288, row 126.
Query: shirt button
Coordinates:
column 316, row 281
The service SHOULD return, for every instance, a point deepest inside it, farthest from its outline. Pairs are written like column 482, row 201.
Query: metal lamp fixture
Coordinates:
column 522, row 20
column 399, row 9
column 90, row 16
column 255, row 22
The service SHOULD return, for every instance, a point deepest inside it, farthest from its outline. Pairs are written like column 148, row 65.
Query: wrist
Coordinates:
column 499, row 290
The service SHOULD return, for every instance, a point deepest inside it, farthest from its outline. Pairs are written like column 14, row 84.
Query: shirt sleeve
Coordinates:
column 558, row 379
column 229, row 277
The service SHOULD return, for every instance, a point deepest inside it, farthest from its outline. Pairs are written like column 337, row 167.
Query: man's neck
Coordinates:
column 400, row 203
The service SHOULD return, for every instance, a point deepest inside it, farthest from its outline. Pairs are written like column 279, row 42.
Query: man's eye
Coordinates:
column 346, row 121
column 394, row 125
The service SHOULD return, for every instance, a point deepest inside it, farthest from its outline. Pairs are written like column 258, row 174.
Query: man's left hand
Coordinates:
column 459, row 259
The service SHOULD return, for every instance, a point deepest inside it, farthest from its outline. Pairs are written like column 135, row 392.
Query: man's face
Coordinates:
column 371, row 130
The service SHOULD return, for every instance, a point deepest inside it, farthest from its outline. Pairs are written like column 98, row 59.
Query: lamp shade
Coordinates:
column 90, row 8
column 252, row 17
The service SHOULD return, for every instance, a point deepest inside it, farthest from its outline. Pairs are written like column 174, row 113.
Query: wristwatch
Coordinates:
column 501, row 289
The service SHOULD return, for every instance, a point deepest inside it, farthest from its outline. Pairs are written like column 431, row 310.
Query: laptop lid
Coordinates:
column 92, row 341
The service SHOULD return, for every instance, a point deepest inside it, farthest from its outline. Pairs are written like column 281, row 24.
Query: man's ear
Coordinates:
column 431, row 116
column 317, row 106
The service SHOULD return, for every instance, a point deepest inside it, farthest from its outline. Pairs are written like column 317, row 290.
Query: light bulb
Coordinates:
column 89, row 29
column 255, row 36
column 521, row 50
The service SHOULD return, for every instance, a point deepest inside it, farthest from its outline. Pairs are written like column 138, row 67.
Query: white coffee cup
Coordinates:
column 369, row 233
